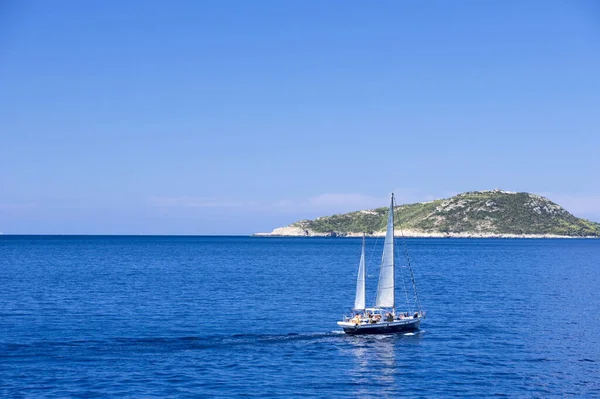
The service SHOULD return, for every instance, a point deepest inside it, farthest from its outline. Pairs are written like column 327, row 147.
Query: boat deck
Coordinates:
column 373, row 325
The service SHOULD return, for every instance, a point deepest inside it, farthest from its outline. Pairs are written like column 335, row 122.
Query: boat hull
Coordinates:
column 380, row 328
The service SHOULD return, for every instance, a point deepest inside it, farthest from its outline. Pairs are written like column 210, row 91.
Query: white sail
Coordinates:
column 385, row 288
column 359, row 302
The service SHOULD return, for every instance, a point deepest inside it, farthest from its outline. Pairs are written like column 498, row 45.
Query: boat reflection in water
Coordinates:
column 381, row 363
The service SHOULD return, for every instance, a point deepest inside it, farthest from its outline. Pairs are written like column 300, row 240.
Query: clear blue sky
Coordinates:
column 230, row 117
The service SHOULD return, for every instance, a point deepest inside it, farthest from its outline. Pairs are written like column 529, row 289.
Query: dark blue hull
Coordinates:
column 383, row 328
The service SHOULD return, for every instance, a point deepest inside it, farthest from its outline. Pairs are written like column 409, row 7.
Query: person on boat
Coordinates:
column 356, row 319
column 389, row 317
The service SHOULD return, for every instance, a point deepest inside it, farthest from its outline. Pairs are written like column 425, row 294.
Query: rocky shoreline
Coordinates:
column 290, row 231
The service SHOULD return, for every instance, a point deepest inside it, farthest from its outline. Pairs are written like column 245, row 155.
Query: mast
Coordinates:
column 359, row 302
column 385, row 288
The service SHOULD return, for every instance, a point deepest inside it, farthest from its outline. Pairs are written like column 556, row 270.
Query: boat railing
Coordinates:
column 373, row 316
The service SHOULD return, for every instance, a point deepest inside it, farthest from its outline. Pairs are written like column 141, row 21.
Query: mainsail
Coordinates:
column 359, row 302
column 385, row 288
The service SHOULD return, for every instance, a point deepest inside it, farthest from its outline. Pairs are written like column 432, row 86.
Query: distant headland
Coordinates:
column 477, row 214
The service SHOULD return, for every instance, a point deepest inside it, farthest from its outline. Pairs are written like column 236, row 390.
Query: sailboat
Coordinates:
column 383, row 318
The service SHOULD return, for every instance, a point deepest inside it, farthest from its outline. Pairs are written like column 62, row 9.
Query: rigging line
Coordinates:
column 401, row 272
column 412, row 277
column 371, row 257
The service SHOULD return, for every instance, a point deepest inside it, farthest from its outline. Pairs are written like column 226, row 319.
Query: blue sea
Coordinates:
column 201, row 317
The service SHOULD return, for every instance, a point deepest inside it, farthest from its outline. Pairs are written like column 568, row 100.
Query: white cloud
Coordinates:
column 347, row 202
column 328, row 203
column 193, row 202
column 322, row 204
column 358, row 201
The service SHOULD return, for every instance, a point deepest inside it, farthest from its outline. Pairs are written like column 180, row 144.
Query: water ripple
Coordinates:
column 195, row 317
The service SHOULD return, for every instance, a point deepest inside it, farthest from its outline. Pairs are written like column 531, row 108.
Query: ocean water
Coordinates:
column 134, row 317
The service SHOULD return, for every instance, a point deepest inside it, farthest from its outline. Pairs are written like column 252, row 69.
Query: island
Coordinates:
column 477, row 214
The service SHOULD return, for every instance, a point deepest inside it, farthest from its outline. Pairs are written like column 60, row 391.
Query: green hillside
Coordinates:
column 478, row 212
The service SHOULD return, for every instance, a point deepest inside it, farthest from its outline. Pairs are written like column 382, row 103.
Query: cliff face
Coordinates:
column 472, row 214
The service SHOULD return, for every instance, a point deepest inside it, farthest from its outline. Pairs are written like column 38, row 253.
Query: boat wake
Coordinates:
column 160, row 344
